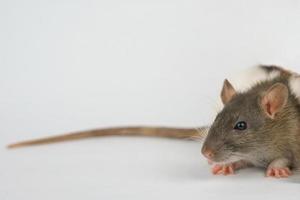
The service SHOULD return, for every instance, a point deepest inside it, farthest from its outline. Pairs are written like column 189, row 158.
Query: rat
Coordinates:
column 258, row 125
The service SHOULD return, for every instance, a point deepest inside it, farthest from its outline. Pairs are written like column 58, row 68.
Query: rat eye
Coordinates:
column 241, row 126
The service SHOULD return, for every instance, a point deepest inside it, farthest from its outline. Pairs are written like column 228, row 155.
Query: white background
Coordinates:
column 70, row 65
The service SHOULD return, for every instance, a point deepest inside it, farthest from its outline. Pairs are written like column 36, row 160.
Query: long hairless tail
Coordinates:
column 178, row 133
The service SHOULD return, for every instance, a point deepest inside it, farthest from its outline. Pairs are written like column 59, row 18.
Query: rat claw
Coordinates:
column 216, row 169
column 226, row 170
column 231, row 170
column 223, row 169
column 278, row 172
column 269, row 173
column 284, row 173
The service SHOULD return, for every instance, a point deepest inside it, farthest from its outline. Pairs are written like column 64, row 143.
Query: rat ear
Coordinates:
column 275, row 99
column 227, row 92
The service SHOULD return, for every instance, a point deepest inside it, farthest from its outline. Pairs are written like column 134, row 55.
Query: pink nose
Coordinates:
column 208, row 153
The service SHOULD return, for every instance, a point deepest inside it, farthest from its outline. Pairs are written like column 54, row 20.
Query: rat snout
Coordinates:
column 208, row 152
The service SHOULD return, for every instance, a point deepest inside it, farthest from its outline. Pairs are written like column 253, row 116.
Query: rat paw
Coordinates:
column 223, row 169
column 278, row 172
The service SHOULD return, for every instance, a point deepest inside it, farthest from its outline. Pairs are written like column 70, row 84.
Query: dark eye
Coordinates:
column 241, row 126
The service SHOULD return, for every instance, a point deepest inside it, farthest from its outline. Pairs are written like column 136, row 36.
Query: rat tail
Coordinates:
column 167, row 132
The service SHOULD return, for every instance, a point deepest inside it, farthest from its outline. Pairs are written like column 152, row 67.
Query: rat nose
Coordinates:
column 208, row 153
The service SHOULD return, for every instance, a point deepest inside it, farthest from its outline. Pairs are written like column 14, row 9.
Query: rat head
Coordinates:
column 242, row 125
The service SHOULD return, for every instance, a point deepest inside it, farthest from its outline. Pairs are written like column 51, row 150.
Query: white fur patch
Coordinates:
column 244, row 80
column 294, row 84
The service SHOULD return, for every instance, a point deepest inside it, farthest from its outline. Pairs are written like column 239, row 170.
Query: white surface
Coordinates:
column 73, row 65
